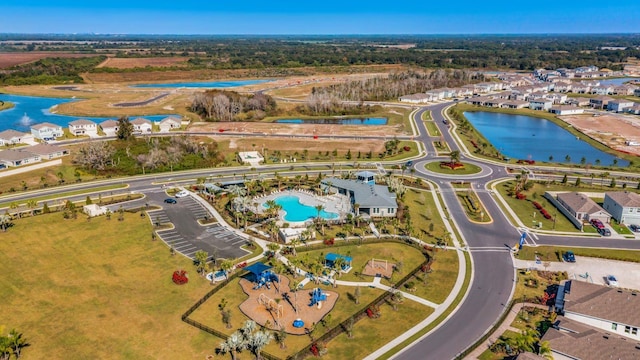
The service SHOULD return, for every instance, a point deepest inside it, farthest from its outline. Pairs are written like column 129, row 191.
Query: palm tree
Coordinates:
column 226, row 265
column 603, row 176
column 544, row 350
column 234, row 343
column 258, row 341
column 454, row 156
column 525, row 341
column 17, row 342
column 273, row 247
column 294, row 243
column 319, row 208
column 248, row 328
column 295, row 287
column 236, row 190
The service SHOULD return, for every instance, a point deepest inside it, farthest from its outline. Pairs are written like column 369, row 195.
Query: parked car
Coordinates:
column 409, row 163
column 182, row 193
column 170, row 201
column 569, row 257
column 634, row 228
column 612, row 281
column 604, row 232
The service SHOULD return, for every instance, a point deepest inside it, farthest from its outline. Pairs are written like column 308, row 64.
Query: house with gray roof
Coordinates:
column 12, row 137
column 110, row 127
column 17, row 157
column 47, row 151
column 582, row 207
column 46, row 131
column 82, row 127
column 372, row 199
column 611, row 309
column 571, row 340
column 624, row 206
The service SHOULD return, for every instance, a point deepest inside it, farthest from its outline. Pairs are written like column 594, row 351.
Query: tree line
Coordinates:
column 50, row 71
column 220, row 105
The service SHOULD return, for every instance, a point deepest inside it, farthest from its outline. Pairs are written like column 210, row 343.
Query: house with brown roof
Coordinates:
column 582, row 207
column 12, row 137
column 515, row 104
column 624, row 206
column 82, row 127
column 141, row 125
column 169, row 123
column 611, row 309
column 600, row 102
column 110, row 127
column 572, row 340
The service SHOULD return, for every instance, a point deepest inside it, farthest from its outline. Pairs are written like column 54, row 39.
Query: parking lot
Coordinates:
column 593, row 270
column 188, row 236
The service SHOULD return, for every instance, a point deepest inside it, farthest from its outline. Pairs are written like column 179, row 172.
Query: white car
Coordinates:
column 612, row 281
column 182, row 193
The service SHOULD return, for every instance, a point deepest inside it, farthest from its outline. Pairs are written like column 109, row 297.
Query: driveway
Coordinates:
column 627, row 273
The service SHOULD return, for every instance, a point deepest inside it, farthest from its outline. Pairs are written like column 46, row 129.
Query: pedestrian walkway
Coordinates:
column 506, row 325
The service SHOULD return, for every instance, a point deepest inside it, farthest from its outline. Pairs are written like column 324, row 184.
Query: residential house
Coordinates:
column 624, row 206
column 478, row 100
column 169, row 123
column 579, row 88
column 496, row 103
column 565, row 110
column 571, row 340
column 82, row 127
column 289, row 234
column 586, row 69
column 12, row 137
column 635, row 109
column 141, row 125
column 557, row 99
column 373, row 200
column 624, row 90
column 515, row 104
column 582, row 207
column 562, row 87
column 17, row 157
column 537, row 95
column 619, row 105
column 414, row 98
column 602, row 89
column 578, row 101
column 110, row 127
column 46, row 131
column 47, row 151
column 600, row 102
column 540, row 104
column 611, row 309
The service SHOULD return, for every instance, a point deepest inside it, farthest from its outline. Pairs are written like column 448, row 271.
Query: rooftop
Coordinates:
column 603, row 302
column 580, row 203
column 9, row 134
column 624, row 198
column 80, row 122
column 44, row 149
column 15, row 155
column 45, row 125
column 364, row 194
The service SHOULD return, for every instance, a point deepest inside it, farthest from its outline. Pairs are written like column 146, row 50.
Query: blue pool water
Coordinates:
column 343, row 121
column 295, row 211
column 30, row 110
column 203, row 84
column 530, row 138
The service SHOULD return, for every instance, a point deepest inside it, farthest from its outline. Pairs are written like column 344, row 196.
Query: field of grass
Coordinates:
column 550, row 253
column 426, row 116
column 424, row 214
column 468, row 169
column 130, row 63
column 432, row 128
column 440, row 281
column 82, row 289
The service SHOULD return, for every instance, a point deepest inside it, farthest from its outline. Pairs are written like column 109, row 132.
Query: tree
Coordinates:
column 319, row 208
column 5, row 221
column 273, row 248
column 613, row 183
column 257, row 341
column 578, row 181
column 95, row 155
column 583, row 160
column 125, row 129
column 544, row 350
column 226, row 265
column 32, row 204
column 525, row 341
column 17, row 343
column 567, row 158
column 234, row 343
column 356, row 294
column 280, row 337
column 564, row 179
column 454, row 156
column 201, row 261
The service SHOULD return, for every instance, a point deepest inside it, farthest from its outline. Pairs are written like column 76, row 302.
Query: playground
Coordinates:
column 378, row 267
column 271, row 302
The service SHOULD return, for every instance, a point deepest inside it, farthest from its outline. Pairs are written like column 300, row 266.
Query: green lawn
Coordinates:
column 471, row 203
column 549, row 253
column 81, row 289
column 70, row 193
column 432, row 128
column 440, row 281
column 466, row 170
column 424, row 215
column 426, row 116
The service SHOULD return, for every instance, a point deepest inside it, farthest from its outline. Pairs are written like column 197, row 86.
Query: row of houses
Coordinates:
column 623, row 206
column 47, row 131
column 30, row 154
column 449, row 93
column 583, row 72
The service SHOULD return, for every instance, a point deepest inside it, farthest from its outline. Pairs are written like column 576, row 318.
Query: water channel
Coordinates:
column 530, row 138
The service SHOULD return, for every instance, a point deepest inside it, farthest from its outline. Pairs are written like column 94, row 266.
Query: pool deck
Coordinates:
column 334, row 203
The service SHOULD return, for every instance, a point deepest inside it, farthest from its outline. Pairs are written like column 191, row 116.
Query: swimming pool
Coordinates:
column 296, row 211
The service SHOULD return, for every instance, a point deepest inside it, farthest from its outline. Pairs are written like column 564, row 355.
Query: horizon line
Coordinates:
column 320, row 34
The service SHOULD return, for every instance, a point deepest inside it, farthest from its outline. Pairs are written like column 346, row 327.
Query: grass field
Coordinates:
column 432, row 128
column 9, row 59
column 129, row 63
column 424, row 215
column 468, row 169
column 440, row 280
column 82, row 289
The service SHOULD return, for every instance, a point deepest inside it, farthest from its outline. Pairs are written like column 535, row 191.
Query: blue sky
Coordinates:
column 319, row 17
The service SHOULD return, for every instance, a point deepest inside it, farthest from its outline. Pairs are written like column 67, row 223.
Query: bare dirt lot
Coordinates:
column 266, row 128
column 612, row 130
column 130, row 63
column 11, row 59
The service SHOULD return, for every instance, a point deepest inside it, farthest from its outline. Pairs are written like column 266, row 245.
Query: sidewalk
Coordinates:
column 506, row 325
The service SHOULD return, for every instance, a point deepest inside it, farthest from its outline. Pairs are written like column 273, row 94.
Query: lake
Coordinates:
column 203, row 84
column 616, row 82
column 336, row 121
column 30, row 110
column 531, row 138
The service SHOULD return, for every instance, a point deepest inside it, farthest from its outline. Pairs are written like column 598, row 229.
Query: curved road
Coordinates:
column 493, row 271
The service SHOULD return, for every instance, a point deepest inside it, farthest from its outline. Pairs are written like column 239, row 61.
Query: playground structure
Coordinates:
column 330, row 260
column 276, row 308
column 217, row 276
column 272, row 306
column 265, row 279
column 378, row 268
column 317, row 297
